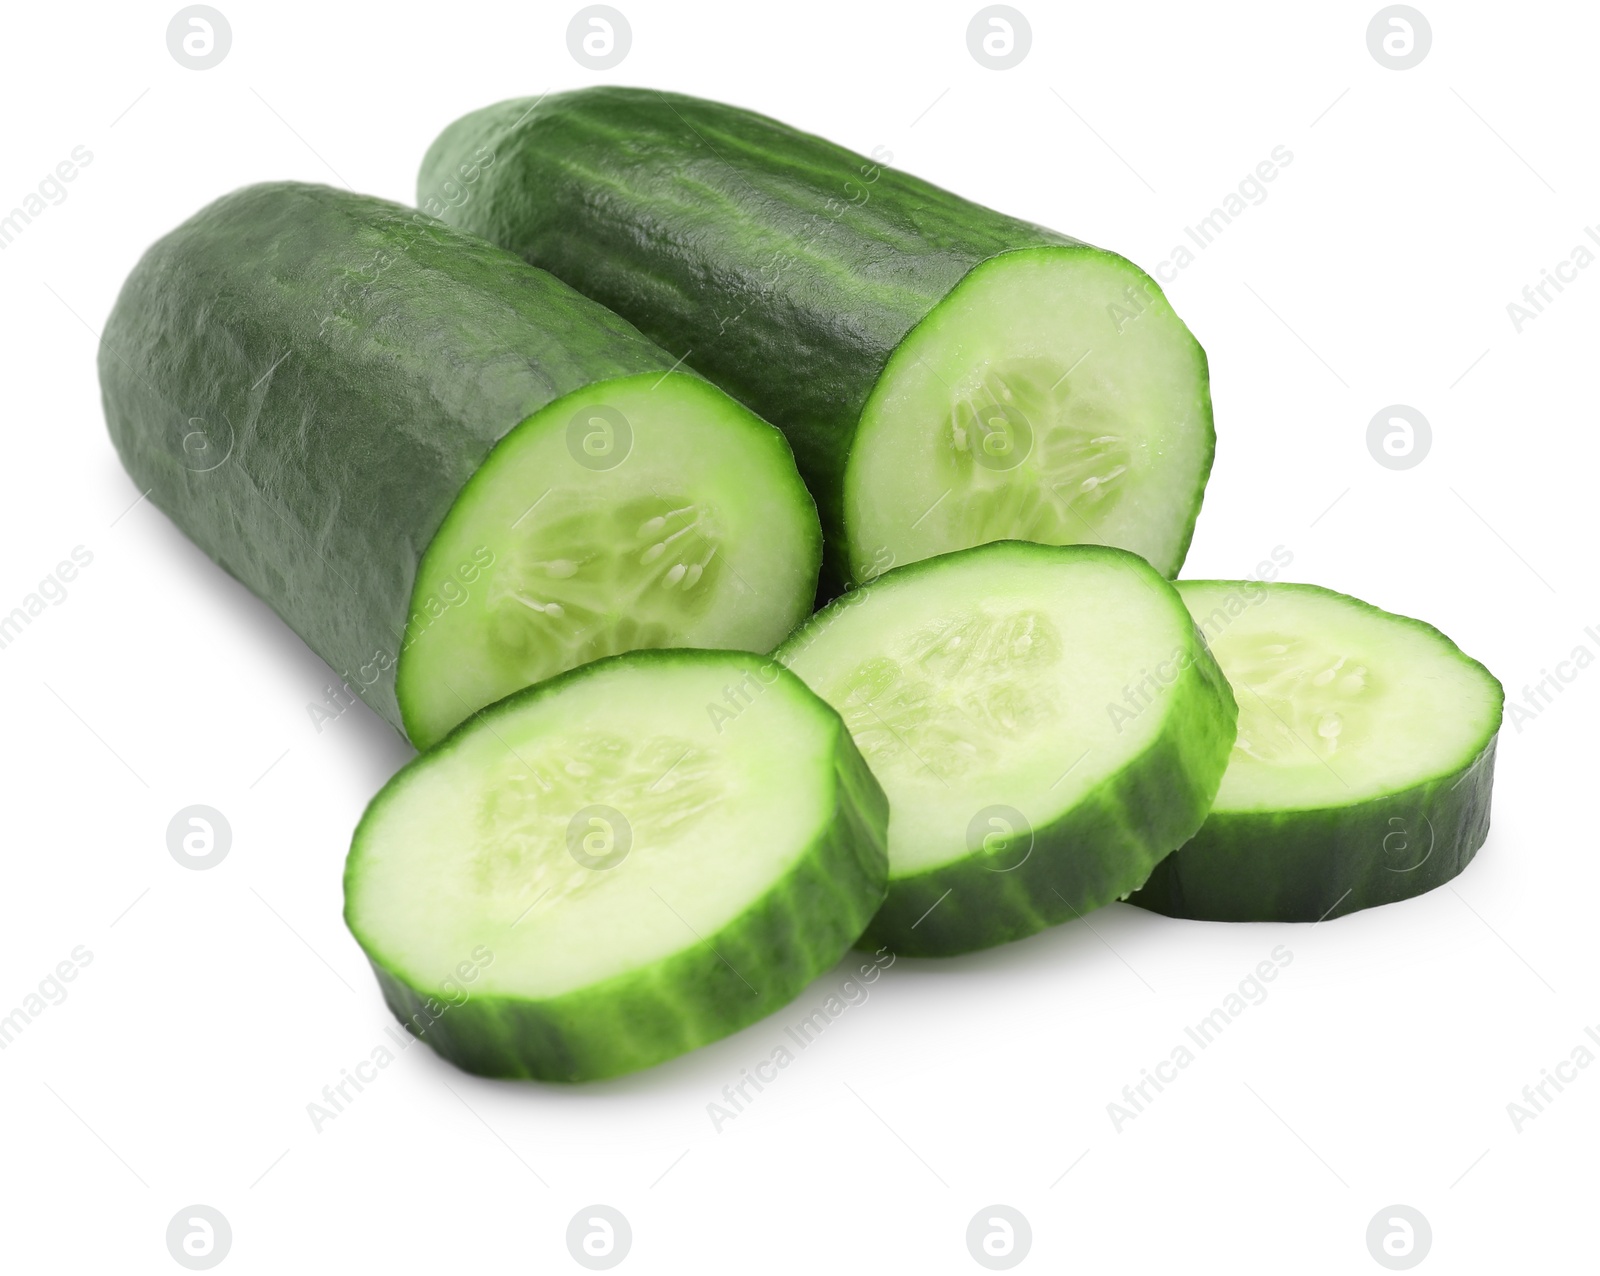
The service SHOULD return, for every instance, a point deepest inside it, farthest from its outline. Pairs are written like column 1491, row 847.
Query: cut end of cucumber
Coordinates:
column 643, row 512
column 1339, row 701
column 1053, row 396
column 618, row 865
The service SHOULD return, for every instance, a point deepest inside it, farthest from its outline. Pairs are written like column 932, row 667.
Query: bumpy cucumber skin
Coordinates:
column 353, row 362
column 1098, row 852
column 787, row 268
column 1311, row 866
column 752, row 967
column 1317, row 864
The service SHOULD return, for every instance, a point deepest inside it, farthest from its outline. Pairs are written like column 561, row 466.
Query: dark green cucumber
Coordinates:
column 618, row 865
column 1364, row 763
column 946, row 374
column 982, row 686
column 448, row 471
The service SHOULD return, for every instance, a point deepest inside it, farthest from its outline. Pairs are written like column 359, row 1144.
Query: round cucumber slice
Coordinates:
column 649, row 511
column 1363, row 766
column 1046, row 722
column 1053, row 396
column 618, row 865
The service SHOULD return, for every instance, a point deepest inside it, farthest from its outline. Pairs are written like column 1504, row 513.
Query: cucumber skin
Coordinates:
column 798, row 930
column 1098, row 852
column 687, row 215
column 1308, row 866
column 345, row 459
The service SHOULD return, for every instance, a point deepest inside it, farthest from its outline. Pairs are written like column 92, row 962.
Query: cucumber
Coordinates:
column 600, row 872
column 946, row 374
column 1046, row 722
column 449, row 472
column 1363, row 766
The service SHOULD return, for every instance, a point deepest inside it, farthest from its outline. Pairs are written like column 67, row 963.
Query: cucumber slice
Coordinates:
column 946, row 374
column 1046, row 721
column 1363, row 767
column 442, row 467
column 618, row 865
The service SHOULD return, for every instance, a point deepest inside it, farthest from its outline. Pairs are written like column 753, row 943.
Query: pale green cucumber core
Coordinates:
column 644, row 512
column 586, row 583
column 1053, row 396
column 1339, row 702
column 987, row 682
column 666, row 784
column 597, row 829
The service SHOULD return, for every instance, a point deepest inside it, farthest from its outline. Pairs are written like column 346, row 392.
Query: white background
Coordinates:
column 218, row 1004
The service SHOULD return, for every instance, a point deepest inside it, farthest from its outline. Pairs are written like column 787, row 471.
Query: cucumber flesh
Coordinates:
column 984, row 688
column 643, row 512
column 1363, row 767
column 598, row 873
column 1025, row 407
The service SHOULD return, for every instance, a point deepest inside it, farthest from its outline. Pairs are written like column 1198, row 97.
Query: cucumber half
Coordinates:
column 643, row 512
column 448, row 471
column 620, row 864
column 947, row 374
column 1363, row 767
column 1046, row 722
